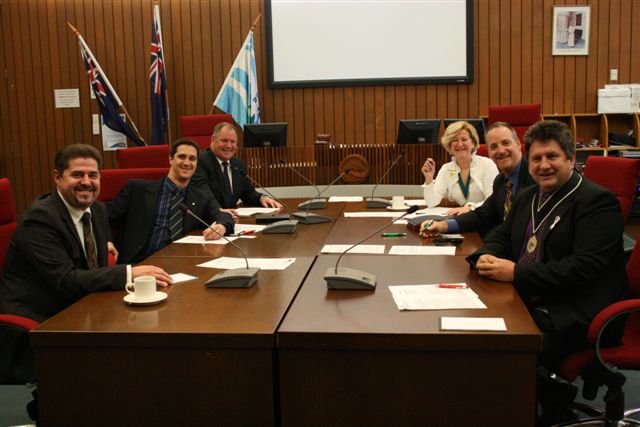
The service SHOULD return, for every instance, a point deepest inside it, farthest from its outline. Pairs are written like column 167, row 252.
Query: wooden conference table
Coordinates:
column 288, row 351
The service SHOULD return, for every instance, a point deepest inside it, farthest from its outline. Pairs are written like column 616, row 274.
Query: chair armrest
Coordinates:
column 607, row 314
column 18, row 321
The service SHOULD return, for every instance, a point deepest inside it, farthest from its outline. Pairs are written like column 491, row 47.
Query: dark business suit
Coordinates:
column 46, row 269
column 491, row 213
column 132, row 212
column 582, row 266
column 209, row 174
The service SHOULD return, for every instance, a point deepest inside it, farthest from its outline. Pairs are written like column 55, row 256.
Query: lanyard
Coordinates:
column 464, row 186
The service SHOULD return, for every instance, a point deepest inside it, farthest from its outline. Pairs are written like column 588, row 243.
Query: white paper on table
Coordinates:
column 243, row 228
column 200, row 240
column 359, row 249
column 182, row 277
column 472, row 324
column 415, row 202
column 389, row 214
column 433, row 211
column 228, row 263
column 346, row 198
column 431, row 297
column 245, row 212
column 422, row 250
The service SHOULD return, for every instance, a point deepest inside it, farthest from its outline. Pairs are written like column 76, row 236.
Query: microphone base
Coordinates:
column 234, row 278
column 349, row 279
column 310, row 218
column 378, row 203
column 281, row 227
column 313, row 204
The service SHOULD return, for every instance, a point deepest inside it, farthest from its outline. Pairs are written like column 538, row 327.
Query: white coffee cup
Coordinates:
column 143, row 287
column 397, row 202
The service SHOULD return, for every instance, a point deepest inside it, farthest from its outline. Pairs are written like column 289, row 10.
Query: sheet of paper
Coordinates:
column 243, row 228
column 245, row 212
column 227, row 263
column 431, row 297
column 389, row 214
column 415, row 202
column 182, row 277
column 472, row 324
column 422, row 250
column 200, row 240
column 432, row 211
column 360, row 249
column 346, row 198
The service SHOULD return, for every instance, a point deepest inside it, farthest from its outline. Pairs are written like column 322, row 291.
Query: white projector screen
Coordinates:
column 361, row 42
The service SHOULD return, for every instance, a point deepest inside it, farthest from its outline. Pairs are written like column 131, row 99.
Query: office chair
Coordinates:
column 520, row 117
column 8, row 222
column 599, row 366
column 200, row 127
column 618, row 175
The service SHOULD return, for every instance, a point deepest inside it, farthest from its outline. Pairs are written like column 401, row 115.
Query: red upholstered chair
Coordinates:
column 599, row 366
column 8, row 222
column 150, row 156
column 200, row 128
column 519, row 116
column 112, row 180
column 618, row 175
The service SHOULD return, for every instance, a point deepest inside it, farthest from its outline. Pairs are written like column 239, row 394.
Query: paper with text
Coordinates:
column 422, row 250
column 346, row 198
column 472, row 324
column 432, row 297
column 200, row 240
column 228, row 263
column 245, row 212
column 360, row 249
column 181, row 277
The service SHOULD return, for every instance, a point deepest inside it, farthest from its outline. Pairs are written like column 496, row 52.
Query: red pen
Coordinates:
column 451, row 286
column 244, row 233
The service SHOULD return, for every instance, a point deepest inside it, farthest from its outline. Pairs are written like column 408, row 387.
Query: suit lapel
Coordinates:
column 66, row 219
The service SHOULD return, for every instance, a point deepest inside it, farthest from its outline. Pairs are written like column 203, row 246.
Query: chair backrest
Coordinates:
column 633, row 274
column 200, row 128
column 519, row 116
column 150, row 156
column 618, row 175
column 112, row 180
column 8, row 222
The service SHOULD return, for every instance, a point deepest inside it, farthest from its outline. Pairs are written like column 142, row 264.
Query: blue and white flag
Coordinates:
column 239, row 93
column 158, row 81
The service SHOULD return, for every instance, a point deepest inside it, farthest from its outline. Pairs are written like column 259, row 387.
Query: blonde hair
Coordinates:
column 454, row 129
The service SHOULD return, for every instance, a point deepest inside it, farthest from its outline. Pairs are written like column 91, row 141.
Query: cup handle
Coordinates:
column 130, row 288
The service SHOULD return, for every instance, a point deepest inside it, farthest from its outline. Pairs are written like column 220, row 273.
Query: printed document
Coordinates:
column 433, row 297
column 359, row 249
column 422, row 250
column 228, row 263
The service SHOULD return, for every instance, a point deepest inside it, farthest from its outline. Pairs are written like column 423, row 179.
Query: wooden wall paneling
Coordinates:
column 546, row 70
column 339, row 116
column 6, row 104
column 309, row 122
column 505, row 60
column 177, row 54
column 526, row 56
column 515, row 20
column 592, row 60
column 133, row 78
column 614, row 38
column 441, row 102
column 74, row 131
column 369, row 121
column 329, row 112
column 432, row 102
column 359, row 118
column 635, row 46
column 537, row 52
column 380, row 114
column 298, row 121
column 624, row 33
column 603, row 48
column 216, row 54
column 197, row 68
column 204, row 22
column 493, row 79
column 318, row 113
column 399, row 105
column 391, row 124
column 142, row 17
column 483, row 56
column 421, row 101
column 452, row 102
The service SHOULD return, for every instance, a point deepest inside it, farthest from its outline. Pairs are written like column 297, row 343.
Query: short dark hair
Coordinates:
column 183, row 141
column 547, row 130
column 73, row 151
column 503, row 125
column 221, row 126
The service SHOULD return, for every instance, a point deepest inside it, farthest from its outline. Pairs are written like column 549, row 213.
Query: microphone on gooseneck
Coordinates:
column 383, row 203
column 233, row 278
column 347, row 171
column 257, row 185
column 316, row 203
column 350, row 278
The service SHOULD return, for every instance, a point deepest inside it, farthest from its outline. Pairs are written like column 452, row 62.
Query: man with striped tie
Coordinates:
column 148, row 215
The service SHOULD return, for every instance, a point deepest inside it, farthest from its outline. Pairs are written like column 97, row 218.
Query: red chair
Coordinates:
column 618, row 175
column 519, row 116
column 599, row 366
column 8, row 222
column 112, row 180
column 150, row 156
column 200, row 128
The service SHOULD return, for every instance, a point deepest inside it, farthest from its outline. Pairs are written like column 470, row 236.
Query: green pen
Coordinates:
column 393, row 234
column 427, row 226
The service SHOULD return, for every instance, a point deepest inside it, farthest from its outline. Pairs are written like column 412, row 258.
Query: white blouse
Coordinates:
column 483, row 172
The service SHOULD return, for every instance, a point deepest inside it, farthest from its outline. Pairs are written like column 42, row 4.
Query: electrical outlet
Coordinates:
column 613, row 75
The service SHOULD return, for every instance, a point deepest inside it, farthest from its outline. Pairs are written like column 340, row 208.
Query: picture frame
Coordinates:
column 571, row 30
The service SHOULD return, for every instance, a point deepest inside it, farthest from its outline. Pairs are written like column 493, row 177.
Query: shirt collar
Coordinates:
column 76, row 214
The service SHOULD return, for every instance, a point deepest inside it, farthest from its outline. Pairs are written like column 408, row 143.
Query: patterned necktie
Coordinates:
column 89, row 243
column 176, row 217
column 526, row 256
column 507, row 198
column 228, row 193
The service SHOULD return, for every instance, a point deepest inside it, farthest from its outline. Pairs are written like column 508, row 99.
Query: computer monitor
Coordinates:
column 265, row 135
column 422, row 131
column 476, row 123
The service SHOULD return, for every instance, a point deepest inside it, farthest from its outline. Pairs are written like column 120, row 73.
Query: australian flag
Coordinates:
column 157, row 78
column 107, row 101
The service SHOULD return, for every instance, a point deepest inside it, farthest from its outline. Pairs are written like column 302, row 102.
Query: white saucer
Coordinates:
column 132, row 300
column 404, row 208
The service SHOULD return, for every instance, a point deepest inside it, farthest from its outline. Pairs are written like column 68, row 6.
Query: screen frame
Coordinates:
column 256, row 132
column 406, row 124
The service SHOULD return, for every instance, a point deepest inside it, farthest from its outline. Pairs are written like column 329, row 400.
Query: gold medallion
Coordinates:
column 531, row 244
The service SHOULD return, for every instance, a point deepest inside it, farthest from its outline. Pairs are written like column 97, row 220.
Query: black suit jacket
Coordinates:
column 491, row 213
column 582, row 267
column 131, row 214
column 209, row 174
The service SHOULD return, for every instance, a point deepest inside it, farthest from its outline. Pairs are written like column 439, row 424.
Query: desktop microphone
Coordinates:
column 257, row 184
column 383, row 203
column 316, row 203
column 311, row 218
column 350, row 278
column 234, row 278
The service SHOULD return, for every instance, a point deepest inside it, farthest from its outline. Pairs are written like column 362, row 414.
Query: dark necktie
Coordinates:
column 89, row 243
column 228, row 193
column 176, row 217
column 507, row 198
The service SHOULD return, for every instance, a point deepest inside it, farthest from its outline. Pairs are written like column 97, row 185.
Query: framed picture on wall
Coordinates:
column 571, row 30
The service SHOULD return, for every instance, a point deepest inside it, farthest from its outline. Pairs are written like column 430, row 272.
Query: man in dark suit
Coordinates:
column 561, row 246
column 225, row 175
column 144, row 211
column 504, row 150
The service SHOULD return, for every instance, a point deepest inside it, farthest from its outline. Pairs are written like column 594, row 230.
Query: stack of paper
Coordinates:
column 435, row 297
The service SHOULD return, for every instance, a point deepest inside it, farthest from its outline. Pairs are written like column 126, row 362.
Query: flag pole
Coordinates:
column 166, row 91
column 255, row 22
column 106, row 80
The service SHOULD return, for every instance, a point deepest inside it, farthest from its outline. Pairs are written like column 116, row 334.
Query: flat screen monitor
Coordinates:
column 476, row 123
column 265, row 135
column 423, row 131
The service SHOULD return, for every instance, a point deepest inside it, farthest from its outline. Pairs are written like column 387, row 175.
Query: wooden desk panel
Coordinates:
column 202, row 357
column 351, row 358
